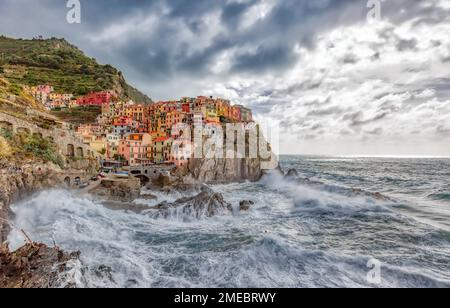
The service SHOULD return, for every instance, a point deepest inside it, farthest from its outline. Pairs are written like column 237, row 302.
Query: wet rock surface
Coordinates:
column 118, row 190
column 19, row 182
column 206, row 203
column 124, row 206
column 292, row 173
column 33, row 266
column 220, row 171
column 245, row 205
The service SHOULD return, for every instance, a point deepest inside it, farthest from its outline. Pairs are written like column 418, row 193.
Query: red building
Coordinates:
column 186, row 107
column 235, row 113
column 95, row 99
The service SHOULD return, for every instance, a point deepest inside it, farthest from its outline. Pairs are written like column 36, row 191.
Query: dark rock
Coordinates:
column 218, row 171
column 118, row 189
column 245, row 205
column 125, row 206
column 292, row 173
column 104, row 272
column 163, row 181
column 33, row 266
column 148, row 197
column 207, row 203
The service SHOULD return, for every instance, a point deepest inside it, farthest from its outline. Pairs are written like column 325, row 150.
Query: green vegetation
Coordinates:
column 30, row 145
column 42, row 148
column 15, row 89
column 78, row 115
column 22, row 101
column 119, row 157
column 56, row 62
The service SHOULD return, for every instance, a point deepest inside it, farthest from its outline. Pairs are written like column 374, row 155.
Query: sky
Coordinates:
column 333, row 82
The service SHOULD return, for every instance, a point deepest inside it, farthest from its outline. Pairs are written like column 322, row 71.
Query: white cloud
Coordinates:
column 361, row 84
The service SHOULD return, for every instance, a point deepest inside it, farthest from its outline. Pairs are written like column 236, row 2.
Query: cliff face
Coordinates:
column 21, row 179
column 34, row 266
column 216, row 171
column 19, row 182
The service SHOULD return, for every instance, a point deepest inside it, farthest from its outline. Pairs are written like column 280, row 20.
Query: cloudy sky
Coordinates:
column 333, row 82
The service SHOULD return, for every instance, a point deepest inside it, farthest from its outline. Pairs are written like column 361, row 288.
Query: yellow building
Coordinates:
column 223, row 108
column 211, row 115
column 98, row 144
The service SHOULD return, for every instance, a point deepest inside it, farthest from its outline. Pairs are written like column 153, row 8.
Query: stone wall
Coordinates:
column 68, row 143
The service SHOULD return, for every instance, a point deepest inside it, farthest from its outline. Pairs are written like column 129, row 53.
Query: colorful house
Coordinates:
column 223, row 108
column 162, row 148
column 95, row 99
column 235, row 113
column 136, row 149
column 122, row 126
column 181, row 152
column 246, row 114
column 112, row 145
column 211, row 115
column 47, row 89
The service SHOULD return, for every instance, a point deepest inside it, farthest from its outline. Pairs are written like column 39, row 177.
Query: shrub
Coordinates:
column 5, row 149
column 15, row 89
column 6, row 133
column 42, row 148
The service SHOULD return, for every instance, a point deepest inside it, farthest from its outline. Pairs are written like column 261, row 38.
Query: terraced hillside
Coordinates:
column 59, row 63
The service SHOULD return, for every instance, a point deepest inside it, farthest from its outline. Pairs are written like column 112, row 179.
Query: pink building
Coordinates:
column 47, row 89
column 136, row 149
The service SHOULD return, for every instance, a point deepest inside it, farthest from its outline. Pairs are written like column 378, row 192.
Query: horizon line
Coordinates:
column 370, row 156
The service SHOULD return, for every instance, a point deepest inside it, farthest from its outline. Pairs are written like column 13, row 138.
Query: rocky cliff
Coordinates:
column 216, row 171
column 21, row 179
column 64, row 66
column 34, row 266
column 17, row 182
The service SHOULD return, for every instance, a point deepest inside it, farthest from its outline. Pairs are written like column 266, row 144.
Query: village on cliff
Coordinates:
column 128, row 133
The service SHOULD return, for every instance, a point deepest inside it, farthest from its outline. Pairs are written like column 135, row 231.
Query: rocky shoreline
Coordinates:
column 36, row 265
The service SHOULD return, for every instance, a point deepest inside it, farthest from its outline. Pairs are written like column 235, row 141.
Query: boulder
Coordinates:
column 34, row 266
column 245, row 205
column 148, row 197
column 124, row 190
column 207, row 203
column 292, row 173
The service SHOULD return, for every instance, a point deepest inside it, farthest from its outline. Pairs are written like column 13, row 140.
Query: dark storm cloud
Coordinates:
column 268, row 44
column 232, row 12
column 264, row 58
column 403, row 45
column 273, row 37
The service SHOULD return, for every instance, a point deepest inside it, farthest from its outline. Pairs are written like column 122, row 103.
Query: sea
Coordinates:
column 339, row 222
